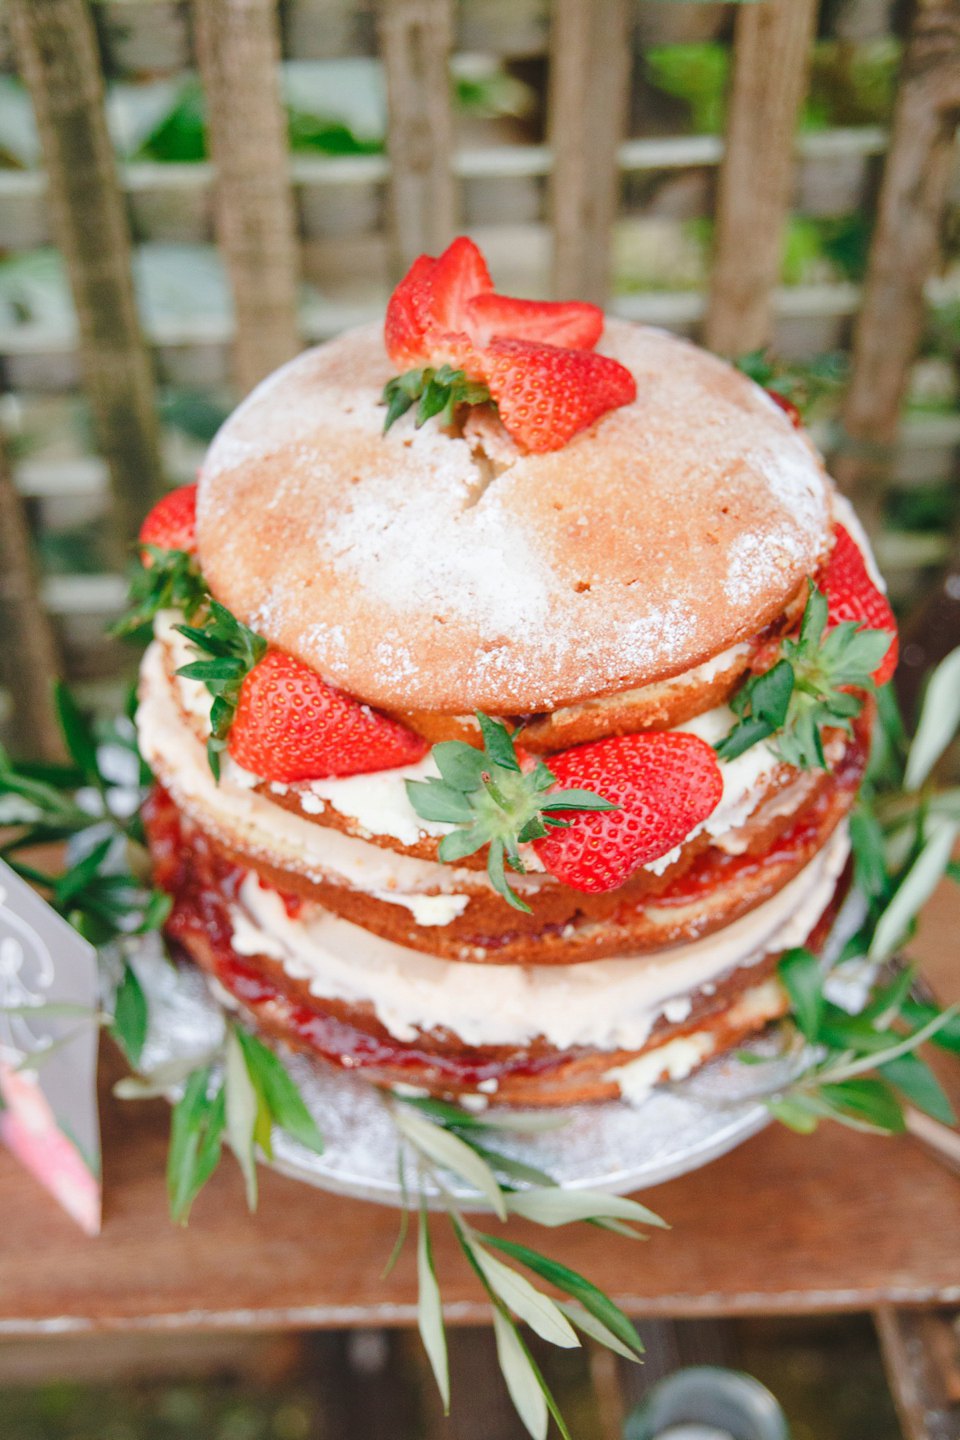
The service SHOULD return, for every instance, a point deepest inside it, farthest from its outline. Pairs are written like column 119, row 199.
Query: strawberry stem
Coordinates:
column 438, row 391
column 808, row 690
column 493, row 802
column 172, row 581
column 235, row 650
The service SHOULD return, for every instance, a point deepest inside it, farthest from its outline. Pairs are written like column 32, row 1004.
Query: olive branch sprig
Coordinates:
column 444, row 1140
column 91, row 804
column 866, row 1068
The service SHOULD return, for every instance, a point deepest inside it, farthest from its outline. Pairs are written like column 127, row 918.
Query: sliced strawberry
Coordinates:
column 545, row 395
column 290, row 725
column 406, row 320
column 664, row 784
column 573, row 324
column 852, row 595
column 535, row 357
column 459, row 274
column 172, row 523
column 787, row 406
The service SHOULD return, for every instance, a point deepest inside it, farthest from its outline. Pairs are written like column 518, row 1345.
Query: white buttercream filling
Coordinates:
column 170, row 747
column 605, row 1004
column 378, row 802
column 673, row 1061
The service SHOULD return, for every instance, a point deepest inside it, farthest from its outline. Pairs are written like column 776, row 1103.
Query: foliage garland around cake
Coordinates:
column 857, row 1066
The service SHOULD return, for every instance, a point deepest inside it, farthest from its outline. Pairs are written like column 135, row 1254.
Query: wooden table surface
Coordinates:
column 786, row 1223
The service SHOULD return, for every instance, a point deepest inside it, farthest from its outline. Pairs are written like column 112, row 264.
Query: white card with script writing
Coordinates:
column 49, row 1031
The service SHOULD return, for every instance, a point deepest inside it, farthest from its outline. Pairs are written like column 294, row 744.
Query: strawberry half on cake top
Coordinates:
column 512, row 682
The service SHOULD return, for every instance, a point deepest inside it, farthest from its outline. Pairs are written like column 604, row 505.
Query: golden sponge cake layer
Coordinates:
column 419, row 573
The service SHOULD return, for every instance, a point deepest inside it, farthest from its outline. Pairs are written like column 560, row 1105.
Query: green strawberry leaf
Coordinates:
column 436, row 800
column 497, row 743
column 808, row 690
column 235, row 649
column 172, row 582
column 439, row 392
column 497, row 803
column 460, row 843
column 461, row 765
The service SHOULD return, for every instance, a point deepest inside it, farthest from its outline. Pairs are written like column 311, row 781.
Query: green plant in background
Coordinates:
column 181, row 136
column 697, row 74
column 852, row 84
column 329, row 137
column 924, row 509
column 845, row 241
column 826, row 248
column 812, row 385
column 483, row 88
column 194, row 412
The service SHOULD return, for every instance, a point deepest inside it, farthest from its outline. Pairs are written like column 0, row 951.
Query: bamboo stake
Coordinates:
column 57, row 55
column 589, row 73
column 29, row 651
column 416, row 37
column 238, row 50
column 904, row 252
column 771, row 63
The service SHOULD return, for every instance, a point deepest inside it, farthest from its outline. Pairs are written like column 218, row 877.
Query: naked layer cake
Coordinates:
column 502, row 752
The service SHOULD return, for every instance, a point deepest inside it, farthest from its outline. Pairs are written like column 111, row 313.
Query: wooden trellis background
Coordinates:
column 237, row 46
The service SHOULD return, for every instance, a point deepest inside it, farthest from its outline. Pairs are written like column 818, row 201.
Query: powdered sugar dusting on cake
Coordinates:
column 419, row 571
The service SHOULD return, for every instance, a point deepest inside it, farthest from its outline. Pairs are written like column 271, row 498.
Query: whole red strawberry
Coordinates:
column 546, row 394
column 852, row 595
column 664, row 784
column 290, row 725
column 172, row 523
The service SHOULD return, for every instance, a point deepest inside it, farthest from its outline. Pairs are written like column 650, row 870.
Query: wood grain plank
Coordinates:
column 589, row 72
column 784, row 1224
column 238, row 50
column 904, row 251
column 771, row 64
column 910, row 1343
column 29, row 660
column 416, row 37
column 56, row 50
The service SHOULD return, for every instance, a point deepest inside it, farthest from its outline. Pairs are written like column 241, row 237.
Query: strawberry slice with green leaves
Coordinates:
column 278, row 718
column 818, row 683
column 168, row 576
column 642, row 795
column 852, row 595
column 446, row 331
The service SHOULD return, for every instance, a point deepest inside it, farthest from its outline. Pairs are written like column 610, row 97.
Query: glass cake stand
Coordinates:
column 614, row 1146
